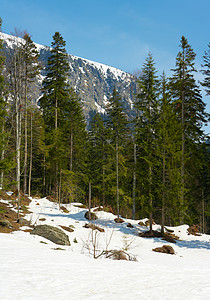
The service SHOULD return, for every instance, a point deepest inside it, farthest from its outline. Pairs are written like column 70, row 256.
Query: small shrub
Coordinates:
column 2, row 210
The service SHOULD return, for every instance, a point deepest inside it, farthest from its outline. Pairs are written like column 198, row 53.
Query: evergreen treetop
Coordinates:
column 206, row 71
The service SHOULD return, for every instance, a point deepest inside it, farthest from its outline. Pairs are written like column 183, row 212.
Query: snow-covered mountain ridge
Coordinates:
column 93, row 81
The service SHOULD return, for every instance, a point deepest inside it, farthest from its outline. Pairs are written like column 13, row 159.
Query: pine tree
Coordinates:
column 145, row 124
column 190, row 110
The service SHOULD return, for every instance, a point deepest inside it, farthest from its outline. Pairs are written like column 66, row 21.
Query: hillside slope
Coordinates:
column 94, row 82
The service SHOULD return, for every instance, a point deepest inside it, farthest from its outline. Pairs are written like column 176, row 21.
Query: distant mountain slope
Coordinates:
column 94, row 82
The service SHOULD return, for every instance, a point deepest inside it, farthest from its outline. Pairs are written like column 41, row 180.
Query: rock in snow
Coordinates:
column 165, row 249
column 52, row 233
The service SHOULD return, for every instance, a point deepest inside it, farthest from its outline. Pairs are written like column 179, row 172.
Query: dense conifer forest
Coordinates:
column 153, row 162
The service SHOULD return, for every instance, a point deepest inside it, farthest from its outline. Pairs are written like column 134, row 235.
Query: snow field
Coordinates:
column 34, row 270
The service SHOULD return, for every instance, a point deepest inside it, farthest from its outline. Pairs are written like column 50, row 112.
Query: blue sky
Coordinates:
column 118, row 33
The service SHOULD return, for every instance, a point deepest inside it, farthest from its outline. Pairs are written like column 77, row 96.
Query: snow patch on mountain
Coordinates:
column 103, row 68
column 12, row 41
column 99, row 108
column 93, row 81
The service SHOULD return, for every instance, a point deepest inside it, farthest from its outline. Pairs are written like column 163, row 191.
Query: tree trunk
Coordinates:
column 150, row 198
column 89, row 201
column 56, row 159
column 2, row 158
column 103, row 187
column 182, row 162
column 59, row 192
column 164, row 192
column 103, row 178
column 44, row 177
column 18, row 139
column 71, row 150
column 2, row 171
column 134, row 182
column 203, row 212
column 183, row 144
column 17, row 98
column 31, row 157
column 26, row 141
column 117, row 171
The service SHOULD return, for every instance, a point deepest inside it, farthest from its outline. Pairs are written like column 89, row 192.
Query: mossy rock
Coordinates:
column 52, row 233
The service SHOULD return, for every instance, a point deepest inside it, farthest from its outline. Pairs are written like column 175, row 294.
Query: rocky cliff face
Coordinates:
column 94, row 82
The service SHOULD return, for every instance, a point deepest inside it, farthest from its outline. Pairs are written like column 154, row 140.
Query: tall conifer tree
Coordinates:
column 146, row 105
column 190, row 111
column 168, row 152
column 98, row 155
column 118, row 128
column 55, row 94
column 206, row 70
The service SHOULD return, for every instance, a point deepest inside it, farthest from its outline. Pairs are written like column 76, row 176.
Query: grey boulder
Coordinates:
column 52, row 233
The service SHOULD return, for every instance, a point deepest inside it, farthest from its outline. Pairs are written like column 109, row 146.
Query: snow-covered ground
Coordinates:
column 31, row 269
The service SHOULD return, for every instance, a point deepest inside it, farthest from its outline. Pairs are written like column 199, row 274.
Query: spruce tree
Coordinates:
column 190, row 111
column 98, row 156
column 168, row 152
column 118, row 130
column 145, row 127
column 206, row 71
column 73, row 126
column 65, row 127
column 55, row 94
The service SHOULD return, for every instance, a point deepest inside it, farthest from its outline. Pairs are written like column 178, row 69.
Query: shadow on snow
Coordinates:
column 122, row 227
